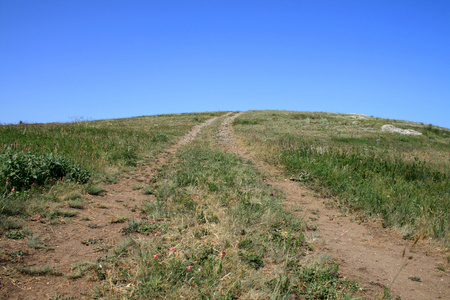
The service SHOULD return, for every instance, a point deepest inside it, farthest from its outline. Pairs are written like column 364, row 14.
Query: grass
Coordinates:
column 103, row 150
column 77, row 204
column 10, row 223
column 38, row 271
column 403, row 180
column 95, row 189
column 213, row 228
column 217, row 233
column 34, row 241
column 119, row 219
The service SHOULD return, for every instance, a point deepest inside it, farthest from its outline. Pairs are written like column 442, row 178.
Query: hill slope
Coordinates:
column 230, row 210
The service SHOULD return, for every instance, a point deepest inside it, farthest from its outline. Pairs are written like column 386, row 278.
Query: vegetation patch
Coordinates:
column 204, row 204
column 139, row 226
column 403, row 180
column 22, row 171
column 38, row 271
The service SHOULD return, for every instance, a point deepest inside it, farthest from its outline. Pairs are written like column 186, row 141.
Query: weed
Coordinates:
column 77, row 204
column 148, row 190
column 81, row 268
column 10, row 223
column 119, row 219
column 139, row 226
column 100, row 205
column 122, row 249
column 15, row 234
column 17, row 255
column 95, row 189
column 92, row 241
column 72, row 196
column 61, row 213
column 136, row 187
column 34, row 241
column 58, row 296
column 38, row 271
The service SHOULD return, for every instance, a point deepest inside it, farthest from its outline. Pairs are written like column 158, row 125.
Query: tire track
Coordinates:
column 88, row 236
column 366, row 252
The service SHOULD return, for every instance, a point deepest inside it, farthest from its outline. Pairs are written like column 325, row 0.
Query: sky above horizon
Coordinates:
column 67, row 60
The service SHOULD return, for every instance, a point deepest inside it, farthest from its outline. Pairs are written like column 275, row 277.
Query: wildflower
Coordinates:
column 51, row 179
column 222, row 253
column 33, row 184
column 12, row 190
column 155, row 255
column 271, row 194
column 189, row 268
column 173, row 249
column 39, row 217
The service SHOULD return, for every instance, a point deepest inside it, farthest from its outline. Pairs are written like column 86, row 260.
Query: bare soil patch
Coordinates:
column 368, row 253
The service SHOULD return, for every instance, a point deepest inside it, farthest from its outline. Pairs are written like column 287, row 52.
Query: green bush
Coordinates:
column 22, row 170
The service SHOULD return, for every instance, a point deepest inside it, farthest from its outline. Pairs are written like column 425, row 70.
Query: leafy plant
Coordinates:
column 15, row 234
column 139, row 226
column 22, row 171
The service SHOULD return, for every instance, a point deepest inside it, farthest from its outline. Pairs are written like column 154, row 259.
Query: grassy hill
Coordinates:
column 211, row 227
column 402, row 179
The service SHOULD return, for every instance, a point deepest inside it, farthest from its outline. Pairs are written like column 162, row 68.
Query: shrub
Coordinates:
column 23, row 170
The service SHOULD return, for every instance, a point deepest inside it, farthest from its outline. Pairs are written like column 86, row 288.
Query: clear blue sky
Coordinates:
column 111, row 59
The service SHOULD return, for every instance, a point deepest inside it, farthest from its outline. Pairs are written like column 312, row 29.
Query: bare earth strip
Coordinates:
column 366, row 252
column 85, row 238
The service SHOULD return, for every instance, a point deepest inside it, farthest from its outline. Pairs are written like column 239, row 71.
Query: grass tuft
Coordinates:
column 38, row 271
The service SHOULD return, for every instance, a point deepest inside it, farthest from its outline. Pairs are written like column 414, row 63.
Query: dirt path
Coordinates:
column 366, row 252
column 84, row 238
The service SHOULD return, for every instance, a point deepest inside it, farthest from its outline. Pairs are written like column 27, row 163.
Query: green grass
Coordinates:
column 95, row 189
column 38, row 271
column 97, row 144
column 40, row 163
column 403, row 180
column 217, row 233
column 213, row 227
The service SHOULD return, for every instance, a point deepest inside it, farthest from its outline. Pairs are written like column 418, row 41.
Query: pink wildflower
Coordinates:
column 189, row 268
column 39, row 217
column 155, row 255
column 173, row 249
column 271, row 194
column 12, row 190
column 51, row 179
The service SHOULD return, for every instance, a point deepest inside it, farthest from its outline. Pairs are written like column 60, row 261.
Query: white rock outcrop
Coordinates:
column 392, row 128
column 358, row 116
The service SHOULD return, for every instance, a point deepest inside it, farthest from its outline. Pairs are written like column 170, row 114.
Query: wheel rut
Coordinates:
column 86, row 237
column 367, row 253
